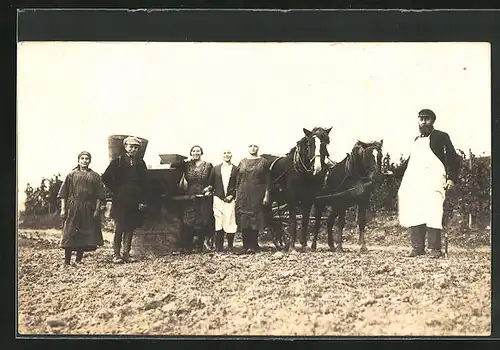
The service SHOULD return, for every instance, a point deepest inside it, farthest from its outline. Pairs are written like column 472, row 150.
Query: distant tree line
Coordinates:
column 43, row 199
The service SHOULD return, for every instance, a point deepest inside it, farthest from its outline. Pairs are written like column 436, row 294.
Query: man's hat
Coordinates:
column 427, row 113
column 132, row 140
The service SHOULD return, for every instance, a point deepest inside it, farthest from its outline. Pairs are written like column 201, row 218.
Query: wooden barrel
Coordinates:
column 115, row 146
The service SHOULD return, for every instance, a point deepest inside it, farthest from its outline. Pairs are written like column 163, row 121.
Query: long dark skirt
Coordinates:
column 81, row 231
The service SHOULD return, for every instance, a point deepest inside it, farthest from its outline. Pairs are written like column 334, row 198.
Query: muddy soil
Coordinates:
column 381, row 292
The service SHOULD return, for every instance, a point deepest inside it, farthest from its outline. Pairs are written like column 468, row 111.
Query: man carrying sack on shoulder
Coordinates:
column 430, row 171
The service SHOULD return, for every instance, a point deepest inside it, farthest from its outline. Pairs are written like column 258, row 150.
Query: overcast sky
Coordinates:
column 73, row 95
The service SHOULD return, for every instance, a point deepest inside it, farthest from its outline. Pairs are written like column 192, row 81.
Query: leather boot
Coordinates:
column 434, row 242
column 79, row 256
column 219, row 240
column 252, row 245
column 245, row 238
column 186, row 241
column 117, row 244
column 255, row 238
column 230, row 240
column 127, row 246
column 417, row 234
column 67, row 256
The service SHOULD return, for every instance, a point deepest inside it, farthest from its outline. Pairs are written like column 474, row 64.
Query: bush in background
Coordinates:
column 43, row 199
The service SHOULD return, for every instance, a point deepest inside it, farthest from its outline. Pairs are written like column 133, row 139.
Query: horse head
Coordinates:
column 312, row 149
column 367, row 159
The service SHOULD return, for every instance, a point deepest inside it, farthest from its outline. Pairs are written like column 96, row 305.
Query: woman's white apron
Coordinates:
column 422, row 191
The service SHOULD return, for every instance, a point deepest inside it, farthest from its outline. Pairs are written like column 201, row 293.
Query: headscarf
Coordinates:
column 83, row 153
column 252, row 141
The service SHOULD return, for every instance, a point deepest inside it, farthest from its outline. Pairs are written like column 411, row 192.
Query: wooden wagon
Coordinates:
column 280, row 220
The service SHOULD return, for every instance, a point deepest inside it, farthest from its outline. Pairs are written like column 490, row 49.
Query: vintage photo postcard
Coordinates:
column 241, row 189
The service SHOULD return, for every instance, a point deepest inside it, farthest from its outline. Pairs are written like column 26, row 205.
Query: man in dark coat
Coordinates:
column 430, row 171
column 125, row 177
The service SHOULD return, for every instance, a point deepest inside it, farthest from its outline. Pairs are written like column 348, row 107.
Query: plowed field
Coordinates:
column 382, row 292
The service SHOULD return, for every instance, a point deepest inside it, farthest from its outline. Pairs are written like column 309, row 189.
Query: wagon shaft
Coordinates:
column 352, row 192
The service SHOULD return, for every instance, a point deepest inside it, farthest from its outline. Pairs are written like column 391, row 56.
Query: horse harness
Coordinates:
column 298, row 162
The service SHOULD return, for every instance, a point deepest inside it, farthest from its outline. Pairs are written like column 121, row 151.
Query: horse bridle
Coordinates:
column 298, row 162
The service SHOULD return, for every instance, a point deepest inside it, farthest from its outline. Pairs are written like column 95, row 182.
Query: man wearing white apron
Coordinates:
column 223, row 181
column 429, row 172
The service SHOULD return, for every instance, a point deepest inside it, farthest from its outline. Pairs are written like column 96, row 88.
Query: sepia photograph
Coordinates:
column 253, row 188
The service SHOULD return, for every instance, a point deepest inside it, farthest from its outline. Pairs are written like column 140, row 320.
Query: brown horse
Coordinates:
column 353, row 181
column 297, row 177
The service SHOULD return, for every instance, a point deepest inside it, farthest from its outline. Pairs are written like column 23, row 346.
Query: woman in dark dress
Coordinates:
column 126, row 178
column 252, row 197
column 197, row 220
column 81, row 194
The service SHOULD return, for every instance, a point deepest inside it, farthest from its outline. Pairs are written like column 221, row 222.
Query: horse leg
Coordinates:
column 292, row 211
column 277, row 237
column 329, row 228
column 306, row 211
column 319, row 208
column 362, row 208
column 340, row 229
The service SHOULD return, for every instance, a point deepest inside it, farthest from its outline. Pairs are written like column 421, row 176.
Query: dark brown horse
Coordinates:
column 353, row 180
column 297, row 177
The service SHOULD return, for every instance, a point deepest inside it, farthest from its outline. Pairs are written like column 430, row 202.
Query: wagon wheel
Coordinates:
column 280, row 227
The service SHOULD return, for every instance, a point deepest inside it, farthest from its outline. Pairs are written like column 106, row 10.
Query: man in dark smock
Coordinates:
column 430, row 171
column 126, row 179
